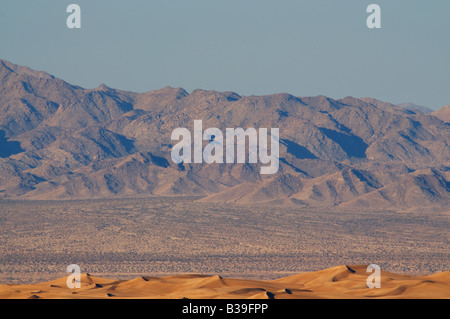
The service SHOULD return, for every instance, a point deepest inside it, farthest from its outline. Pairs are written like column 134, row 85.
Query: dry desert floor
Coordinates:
column 337, row 282
column 156, row 247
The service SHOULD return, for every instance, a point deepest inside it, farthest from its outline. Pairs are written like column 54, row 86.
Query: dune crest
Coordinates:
column 339, row 282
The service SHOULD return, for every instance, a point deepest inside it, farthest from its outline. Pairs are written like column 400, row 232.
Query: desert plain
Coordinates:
column 185, row 248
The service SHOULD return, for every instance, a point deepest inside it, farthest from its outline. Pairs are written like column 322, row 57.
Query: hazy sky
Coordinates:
column 252, row 47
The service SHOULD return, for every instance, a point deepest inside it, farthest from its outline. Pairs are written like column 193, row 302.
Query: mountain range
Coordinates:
column 62, row 141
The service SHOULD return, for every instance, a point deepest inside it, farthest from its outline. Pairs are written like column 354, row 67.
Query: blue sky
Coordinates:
column 305, row 48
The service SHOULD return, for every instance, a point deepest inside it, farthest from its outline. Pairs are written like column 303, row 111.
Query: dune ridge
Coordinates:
column 341, row 282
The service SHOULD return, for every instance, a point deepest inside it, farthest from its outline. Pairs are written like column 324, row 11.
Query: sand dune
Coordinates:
column 336, row 282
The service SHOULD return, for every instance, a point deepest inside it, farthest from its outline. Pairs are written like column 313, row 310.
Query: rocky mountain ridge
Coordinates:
column 60, row 141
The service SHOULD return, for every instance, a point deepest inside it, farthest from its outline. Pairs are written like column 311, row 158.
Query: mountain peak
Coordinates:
column 6, row 65
column 103, row 87
column 443, row 113
column 172, row 90
column 415, row 107
column 23, row 70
